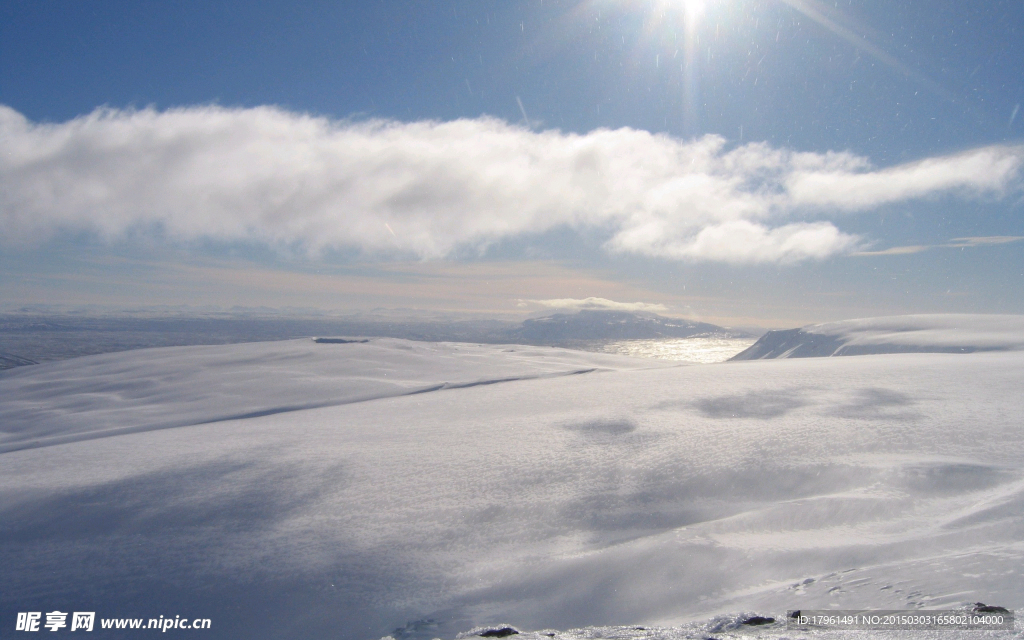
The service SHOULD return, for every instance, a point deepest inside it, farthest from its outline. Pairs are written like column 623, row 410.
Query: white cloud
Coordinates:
column 989, row 169
column 740, row 241
column 598, row 303
column 955, row 243
column 428, row 188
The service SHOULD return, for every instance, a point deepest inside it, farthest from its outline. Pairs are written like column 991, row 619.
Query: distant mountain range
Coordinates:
column 29, row 338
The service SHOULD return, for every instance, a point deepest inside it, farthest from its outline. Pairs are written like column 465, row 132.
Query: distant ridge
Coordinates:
column 43, row 339
column 939, row 333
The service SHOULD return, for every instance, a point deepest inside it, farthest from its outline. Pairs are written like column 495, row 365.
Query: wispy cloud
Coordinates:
column 955, row 243
column 427, row 189
column 975, row 172
column 895, row 251
column 596, row 303
column 977, row 241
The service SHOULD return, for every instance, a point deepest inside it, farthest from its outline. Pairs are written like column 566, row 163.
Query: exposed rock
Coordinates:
column 981, row 607
column 9, row 361
column 498, row 632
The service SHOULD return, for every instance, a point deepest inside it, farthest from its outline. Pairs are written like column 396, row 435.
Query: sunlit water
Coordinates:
column 699, row 350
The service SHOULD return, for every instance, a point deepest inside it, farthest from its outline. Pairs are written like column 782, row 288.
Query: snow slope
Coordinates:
column 634, row 494
column 943, row 333
column 96, row 396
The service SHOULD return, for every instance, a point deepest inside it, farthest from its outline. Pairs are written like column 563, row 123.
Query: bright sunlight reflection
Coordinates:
column 693, row 10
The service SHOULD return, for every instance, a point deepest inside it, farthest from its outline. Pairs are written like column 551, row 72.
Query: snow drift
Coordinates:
column 633, row 494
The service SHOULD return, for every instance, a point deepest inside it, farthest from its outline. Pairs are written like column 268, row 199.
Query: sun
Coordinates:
column 693, row 9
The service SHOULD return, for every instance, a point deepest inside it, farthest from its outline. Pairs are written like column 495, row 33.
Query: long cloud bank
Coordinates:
column 576, row 304
column 430, row 188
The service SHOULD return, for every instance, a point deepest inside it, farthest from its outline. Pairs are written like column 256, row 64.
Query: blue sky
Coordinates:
column 766, row 163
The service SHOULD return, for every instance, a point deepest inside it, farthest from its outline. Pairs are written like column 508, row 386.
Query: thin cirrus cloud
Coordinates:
column 595, row 303
column 955, row 243
column 427, row 189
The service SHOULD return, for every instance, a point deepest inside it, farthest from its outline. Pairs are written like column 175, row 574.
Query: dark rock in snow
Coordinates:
column 758, row 620
column 9, row 361
column 499, row 632
column 981, row 607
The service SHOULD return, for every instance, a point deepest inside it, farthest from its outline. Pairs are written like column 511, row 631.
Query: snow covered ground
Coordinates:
column 293, row 489
column 102, row 395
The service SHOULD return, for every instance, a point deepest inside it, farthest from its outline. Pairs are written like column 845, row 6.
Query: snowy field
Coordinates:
column 301, row 490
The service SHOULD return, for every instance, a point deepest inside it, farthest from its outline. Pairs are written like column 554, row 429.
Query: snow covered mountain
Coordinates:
column 945, row 333
column 295, row 489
